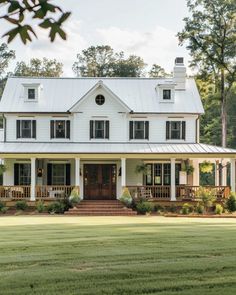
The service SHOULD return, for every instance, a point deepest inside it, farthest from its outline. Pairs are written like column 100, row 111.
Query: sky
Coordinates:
column 146, row 28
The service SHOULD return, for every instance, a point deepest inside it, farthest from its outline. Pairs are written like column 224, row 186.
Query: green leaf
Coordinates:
column 64, row 17
column 46, row 24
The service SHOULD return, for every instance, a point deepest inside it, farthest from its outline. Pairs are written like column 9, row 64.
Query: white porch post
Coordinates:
column 196, row 172
column 172, row 180
column 33, row 179
column 224, row 174
column 77, row 172
column 217, row 174
column 232, row 176
column 123, row 172
column 4, row 173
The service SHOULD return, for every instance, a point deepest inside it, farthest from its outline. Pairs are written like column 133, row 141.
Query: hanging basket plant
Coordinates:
column 142, row 168
column 2, row 169
column 187, row 167
column 206, row 167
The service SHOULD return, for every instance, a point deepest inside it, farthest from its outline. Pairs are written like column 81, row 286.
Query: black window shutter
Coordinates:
column 107, row 130
column 131, row 130
column 34, row 129
column 18, row 129
column 147, row 130
column 167, row 129
column 91, row 129
column 52, row 129
column 49, row 174
column 67, row 174
column 68, row 129
column 183, row 129
column 16, row 174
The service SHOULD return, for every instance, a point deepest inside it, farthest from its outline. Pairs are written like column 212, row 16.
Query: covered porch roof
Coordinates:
column 131, row 150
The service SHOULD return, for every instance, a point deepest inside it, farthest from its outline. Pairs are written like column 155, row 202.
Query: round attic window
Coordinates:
column 100, row 99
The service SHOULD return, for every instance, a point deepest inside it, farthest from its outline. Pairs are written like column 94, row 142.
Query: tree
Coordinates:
column 211, row 38
column 16, row 14
column 157, row 72
column 39, row 68
column 6, row 55
column 102, row 61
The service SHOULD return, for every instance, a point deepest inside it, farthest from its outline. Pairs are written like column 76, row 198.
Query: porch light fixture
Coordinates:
column 120, row 171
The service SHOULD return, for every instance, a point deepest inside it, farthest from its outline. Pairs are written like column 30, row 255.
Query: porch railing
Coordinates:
column 183, row 192
column 15, row 192
column 53, row 191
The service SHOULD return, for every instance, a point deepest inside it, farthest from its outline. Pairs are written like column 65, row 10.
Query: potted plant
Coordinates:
column 74, row 197
column 3, row 169
column 141, row 168
column 187, row 167
column 126, row 198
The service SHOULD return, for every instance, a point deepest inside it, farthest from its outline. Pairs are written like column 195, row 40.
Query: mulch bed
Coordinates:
column 201, row 215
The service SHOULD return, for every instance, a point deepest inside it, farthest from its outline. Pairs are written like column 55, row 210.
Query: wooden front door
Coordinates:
column 100, row 181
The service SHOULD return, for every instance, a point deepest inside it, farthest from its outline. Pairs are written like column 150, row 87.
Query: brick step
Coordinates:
column 123, row 213
column 100, row 206
column 100, row 211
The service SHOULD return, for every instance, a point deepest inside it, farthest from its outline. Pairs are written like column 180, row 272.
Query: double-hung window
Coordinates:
column 22, row 174
column 175, row 130
column 60, row 128
column 25, row 128
column 138, row 130
column 99, row 129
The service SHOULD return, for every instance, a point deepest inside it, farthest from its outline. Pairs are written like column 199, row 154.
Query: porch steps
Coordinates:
column 100, row 208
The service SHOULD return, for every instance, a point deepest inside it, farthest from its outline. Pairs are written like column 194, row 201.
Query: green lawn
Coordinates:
column 117, row 255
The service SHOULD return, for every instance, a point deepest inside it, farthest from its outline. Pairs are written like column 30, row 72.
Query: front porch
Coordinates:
column 105, row 178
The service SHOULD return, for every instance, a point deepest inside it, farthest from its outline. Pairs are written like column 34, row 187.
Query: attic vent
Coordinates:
column 179, row 60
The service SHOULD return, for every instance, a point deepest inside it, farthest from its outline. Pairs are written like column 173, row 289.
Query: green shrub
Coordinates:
column 158, row 208
column 207, row 197
column 126, row 198
column 172, row 209
column 186, row 209
column 199, row 208
column 144, row 207
column 74, row 197
column 21, row 205
column 219, row 209
column 4, row 210
column 231, row 203
column 40, row 207
column 2, row 205
column 56, row 208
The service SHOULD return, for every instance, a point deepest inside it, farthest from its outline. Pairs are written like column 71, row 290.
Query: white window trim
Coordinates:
column 181, row 130
column 144, row 137
column 36, row 87
column 31, row 129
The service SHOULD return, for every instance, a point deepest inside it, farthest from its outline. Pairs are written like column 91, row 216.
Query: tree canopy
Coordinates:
column 210, row 36
column 39, row 68
column 48, row 16
column 157, row 72
column 102, row 61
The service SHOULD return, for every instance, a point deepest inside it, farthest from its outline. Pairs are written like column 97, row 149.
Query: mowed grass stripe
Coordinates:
column 128, row 258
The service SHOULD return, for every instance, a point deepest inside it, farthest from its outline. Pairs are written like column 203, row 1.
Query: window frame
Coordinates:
column 169, row 91
column 106, row 129
column 63, row 177
column 54, row 129
column 181, row 131
column 32, row 129
column 29, row 94
column 132, row 129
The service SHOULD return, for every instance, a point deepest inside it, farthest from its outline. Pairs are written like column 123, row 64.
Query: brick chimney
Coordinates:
column 179, row 73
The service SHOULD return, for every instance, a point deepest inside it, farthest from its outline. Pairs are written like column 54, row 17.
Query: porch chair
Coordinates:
column 145, row 193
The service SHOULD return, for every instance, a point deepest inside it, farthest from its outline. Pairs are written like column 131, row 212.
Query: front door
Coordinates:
column 99, row 181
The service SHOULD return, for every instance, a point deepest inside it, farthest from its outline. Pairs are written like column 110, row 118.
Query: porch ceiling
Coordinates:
column 111, row 150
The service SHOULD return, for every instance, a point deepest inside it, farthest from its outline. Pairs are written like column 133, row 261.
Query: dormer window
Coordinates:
column 31, row 93
column 167, row 94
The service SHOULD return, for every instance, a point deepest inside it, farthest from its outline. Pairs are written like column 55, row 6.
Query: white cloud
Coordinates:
column 157, row 46
column 63, row 51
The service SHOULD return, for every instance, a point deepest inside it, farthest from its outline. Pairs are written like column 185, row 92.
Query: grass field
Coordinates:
column 117, row 255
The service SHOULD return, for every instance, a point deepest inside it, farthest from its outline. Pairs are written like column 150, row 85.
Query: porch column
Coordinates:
column 77, row 172
column 4, row 173
column 33, row 180
column 172, row 180
column 224, row 174
column 123, row 172
column 232, row 176
column 196, row 172
column 217, row 174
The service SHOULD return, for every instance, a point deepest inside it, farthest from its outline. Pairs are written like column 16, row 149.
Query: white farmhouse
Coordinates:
column 104, row 134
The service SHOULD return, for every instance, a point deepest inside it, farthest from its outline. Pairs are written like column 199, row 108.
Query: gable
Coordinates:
column 90, row 100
